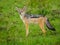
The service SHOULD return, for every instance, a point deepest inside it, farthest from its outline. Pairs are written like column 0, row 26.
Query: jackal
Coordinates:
column 37, row 19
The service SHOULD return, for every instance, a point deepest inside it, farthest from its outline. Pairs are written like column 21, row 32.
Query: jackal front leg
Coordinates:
column 27, row 29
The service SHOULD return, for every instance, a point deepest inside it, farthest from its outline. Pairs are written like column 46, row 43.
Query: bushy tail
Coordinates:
column 49, row 25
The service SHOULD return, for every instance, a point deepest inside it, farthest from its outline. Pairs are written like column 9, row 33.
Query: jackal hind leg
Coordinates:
column 27, row 29
column 41, row 24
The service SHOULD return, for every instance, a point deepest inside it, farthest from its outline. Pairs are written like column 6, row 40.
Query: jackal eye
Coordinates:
column 20, row 11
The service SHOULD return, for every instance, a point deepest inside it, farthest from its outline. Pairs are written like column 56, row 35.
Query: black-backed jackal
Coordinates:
column 38, row 19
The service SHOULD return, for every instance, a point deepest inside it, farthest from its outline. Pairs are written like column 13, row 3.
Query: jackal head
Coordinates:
column 21, row 11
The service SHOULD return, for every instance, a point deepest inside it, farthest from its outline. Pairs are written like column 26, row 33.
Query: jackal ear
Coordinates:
column 18, row 9
column 24, row 8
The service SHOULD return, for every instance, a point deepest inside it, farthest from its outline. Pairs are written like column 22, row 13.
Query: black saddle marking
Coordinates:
column 33, row 16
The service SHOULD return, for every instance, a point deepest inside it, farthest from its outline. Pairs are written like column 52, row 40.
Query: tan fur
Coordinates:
column 39, row 21
column 27, row 21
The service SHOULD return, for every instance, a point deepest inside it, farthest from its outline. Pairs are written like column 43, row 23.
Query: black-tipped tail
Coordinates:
column 49, row 25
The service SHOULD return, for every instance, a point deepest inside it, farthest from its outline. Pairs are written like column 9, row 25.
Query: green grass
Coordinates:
column 12, row 29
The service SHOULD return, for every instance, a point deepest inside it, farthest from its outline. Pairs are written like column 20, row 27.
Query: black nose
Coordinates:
column 19, row 12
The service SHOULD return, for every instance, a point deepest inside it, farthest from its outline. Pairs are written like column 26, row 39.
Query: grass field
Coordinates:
column 12, row 29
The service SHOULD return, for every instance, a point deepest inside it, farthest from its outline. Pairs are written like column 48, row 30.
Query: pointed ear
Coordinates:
column 24, row 8
column 18, row 9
